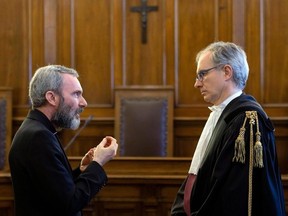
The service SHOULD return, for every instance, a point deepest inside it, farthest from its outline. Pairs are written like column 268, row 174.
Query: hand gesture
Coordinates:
column 106, row 150
column 88, row 157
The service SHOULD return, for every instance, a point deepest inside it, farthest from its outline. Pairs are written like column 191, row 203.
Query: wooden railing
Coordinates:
column 136, row 186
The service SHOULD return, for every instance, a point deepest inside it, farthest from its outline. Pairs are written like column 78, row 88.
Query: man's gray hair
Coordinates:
column 48, row 78
column 229, row 53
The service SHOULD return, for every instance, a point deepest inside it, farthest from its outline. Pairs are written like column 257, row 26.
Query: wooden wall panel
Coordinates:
column 50, row 30
column 275, row 84
column 136, row 186
column 187, row 133
column 92, row 41
column 144, row 63
column 102, row 40
column 281, row 133
column 14, row 48
column 88, row 138
column 65, row 47
column 36, row 38
column 253, row 37
column 227, row 23
column 195, row 28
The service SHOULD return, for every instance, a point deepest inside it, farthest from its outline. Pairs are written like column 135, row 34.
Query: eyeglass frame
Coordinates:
column 201, row 74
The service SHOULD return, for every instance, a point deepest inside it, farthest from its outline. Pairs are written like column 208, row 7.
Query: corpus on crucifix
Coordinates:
column 144, row 9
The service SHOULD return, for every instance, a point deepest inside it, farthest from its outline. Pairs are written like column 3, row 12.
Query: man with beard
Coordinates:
column 43, row 181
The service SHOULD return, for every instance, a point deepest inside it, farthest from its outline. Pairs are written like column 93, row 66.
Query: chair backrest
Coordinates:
column 144, row 121
column 5, row 126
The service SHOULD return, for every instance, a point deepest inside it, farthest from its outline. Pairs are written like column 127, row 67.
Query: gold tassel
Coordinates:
column 239, row 149
column 258, row 149
column 250, row 115
column 255, row 154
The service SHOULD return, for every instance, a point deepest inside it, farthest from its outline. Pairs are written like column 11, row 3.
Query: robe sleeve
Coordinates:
column 178, row 205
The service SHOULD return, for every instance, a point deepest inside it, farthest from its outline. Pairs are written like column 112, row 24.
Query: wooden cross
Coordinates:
column 144, row 9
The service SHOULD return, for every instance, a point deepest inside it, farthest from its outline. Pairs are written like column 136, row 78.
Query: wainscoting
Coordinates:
column 136, row 187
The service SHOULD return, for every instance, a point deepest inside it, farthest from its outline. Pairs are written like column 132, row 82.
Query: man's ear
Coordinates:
column 228, row 70
column 51, row 98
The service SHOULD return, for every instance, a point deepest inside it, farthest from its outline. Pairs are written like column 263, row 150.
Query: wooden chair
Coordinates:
column 144, row 121
column 5, row 126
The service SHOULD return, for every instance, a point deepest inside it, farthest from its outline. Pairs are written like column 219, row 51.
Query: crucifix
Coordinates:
column 144, row 9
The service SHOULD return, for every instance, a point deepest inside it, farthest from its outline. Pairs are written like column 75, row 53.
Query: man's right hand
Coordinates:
column 106, row 150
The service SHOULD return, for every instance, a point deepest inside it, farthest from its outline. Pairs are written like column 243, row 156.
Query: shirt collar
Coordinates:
column 221, row 106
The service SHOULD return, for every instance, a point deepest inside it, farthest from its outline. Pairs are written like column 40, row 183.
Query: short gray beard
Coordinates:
column 63, row 118
column 75, row 123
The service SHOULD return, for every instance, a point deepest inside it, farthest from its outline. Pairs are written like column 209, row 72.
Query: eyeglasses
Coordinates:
column 201, row 74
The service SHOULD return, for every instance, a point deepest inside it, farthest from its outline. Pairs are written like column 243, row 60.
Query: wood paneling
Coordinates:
column 196, row 26
column 7, row 196
column 186, row 134
column 92, row 43
column 88, row 138
column 137, row 186
column 102, row 40
column 275, row 51
column 143, row 64
column 14, row 45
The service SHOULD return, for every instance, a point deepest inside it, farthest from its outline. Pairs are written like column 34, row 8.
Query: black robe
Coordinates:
column 43, row 181
column 221, row 186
